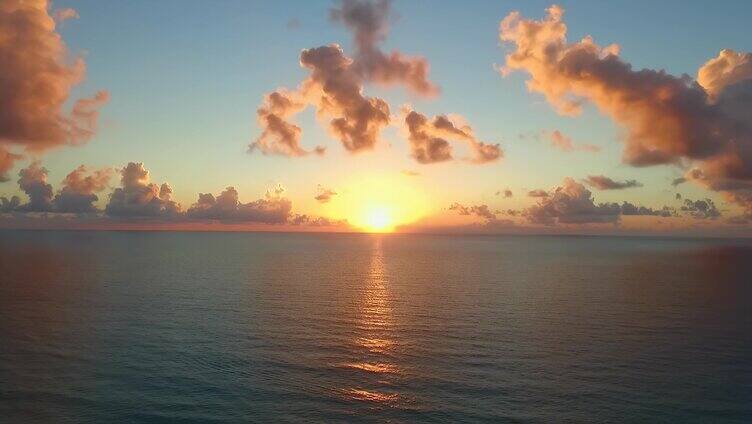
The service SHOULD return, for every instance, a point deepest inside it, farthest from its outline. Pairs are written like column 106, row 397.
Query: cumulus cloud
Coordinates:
column 79, row 190
column 356, row 120
column 272, row 209
column 279, row 136
column 700, row 209
column 369, row 23
column 33, row 181
column 571, row 203
column 137, row 197
column 334, row 87
column 727, row 69
column 667, row 119
column 429, row 139
column 9, row 205
column 602, row 182
column 324, row 195
column 36, row 80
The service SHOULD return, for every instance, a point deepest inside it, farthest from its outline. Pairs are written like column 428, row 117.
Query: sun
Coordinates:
column 379, row 220
column 378, row 203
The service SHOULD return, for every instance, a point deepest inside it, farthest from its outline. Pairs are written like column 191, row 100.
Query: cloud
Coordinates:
column 36, row 80
column 602, row 182
column 62, row 15
column 356, row 120
column 410, row 173
column 667, row 119
column 565, row 143
column 334, row 87
column 700, row 209
column 481, row 211
column 424, row 146
column 630, row 209
column 79, row 190
column 9, row 205
column 324, row 195
column 571, row 203
column 320, row 221
column 537, row 193
column 137, row 197
column 7, row 160
column 727, row 69
column 507, row 193
column 279, row 136
column 33, row 182
column 429, row 139
column 272, row 209
column 369, row 23
column 678, row 181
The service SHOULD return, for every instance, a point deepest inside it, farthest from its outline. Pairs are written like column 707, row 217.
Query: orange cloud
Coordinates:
column 667, row 119
column 36, row 79
column 429, row 138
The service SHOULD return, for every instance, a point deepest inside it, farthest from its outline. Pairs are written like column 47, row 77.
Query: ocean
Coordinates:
column 272, row 327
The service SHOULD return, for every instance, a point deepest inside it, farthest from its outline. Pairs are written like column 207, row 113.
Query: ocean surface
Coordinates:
column 261, row 327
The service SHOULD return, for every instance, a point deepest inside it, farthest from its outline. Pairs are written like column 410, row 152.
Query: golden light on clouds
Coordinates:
column 379, row 203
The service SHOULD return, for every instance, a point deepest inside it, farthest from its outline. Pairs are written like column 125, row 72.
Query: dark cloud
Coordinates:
column 36, row 79
column 369, row 23
column 324, row 195
column 137, row 197
column 272, row 209
column 678, row 181
column 602, row 182
column 9, row 205
column 630, row 209
column 33, row 181
column 571, row 203
column 667, row 119
column 701, row 209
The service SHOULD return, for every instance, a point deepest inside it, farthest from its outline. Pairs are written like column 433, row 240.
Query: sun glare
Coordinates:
column 379, row 220
column 379, row 204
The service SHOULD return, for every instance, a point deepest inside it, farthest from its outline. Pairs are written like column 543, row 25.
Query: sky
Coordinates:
column 431, row 116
